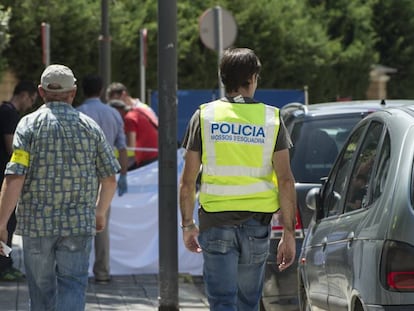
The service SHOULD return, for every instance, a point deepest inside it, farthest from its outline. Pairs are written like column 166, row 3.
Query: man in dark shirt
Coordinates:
column 24, row 95
column 242, row 147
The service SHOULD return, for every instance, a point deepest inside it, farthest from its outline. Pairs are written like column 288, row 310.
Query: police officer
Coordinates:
column 242, row 147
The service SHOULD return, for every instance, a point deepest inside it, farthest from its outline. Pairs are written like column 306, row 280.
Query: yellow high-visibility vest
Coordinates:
column 238, row 142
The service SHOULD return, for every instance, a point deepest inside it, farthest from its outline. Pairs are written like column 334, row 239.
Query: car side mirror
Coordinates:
column 313, row 198
column 313, row 202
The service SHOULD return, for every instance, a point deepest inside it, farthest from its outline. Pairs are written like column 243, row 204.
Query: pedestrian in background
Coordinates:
column 23, row 98
column 62, row 174
column 141, row 131
column 242, row 147
column 117, row 90
column 112, row 125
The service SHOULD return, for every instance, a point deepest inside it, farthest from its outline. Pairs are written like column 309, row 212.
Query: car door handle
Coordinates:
column 350, row 238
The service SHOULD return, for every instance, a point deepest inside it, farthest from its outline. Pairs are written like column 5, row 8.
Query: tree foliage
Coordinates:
column 394, row 24
column 328, row 45
column 4, row 31
column 74, row 29
column 127, row 19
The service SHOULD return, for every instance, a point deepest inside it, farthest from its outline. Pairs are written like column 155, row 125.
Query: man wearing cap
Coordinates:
column 141, row 131
column 62, row 175
column 113, row 127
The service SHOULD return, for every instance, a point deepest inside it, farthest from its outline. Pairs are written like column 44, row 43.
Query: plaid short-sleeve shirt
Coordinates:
column 62, row 153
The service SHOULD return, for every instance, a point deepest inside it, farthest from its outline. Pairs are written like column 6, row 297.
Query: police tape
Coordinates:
column 142, row 149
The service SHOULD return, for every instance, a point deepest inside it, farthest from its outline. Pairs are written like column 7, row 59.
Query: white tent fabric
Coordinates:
column 133, row 226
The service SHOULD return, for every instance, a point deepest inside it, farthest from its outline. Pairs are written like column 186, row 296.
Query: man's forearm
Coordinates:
column 287, row 200
column 187, row 201
column 123, row 161
column 10, row 192
column 188, row 186
column 105, row 195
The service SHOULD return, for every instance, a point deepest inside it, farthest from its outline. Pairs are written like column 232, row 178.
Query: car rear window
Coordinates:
column 316, row 145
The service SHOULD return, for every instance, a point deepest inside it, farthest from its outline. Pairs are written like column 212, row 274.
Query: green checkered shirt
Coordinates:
column 68, row 153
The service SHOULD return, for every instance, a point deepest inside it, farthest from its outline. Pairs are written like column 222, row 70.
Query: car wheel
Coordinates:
column 303, row 298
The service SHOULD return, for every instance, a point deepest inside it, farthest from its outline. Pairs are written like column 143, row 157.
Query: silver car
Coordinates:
column 318, row 132
column 358, row 252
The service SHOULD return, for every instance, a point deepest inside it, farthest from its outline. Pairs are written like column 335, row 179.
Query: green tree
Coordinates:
column 127, row 19
column 291, row 44
column 328, row 45
column 4, row 32
column 74, row 28
column 394, row 24
column 351, row 44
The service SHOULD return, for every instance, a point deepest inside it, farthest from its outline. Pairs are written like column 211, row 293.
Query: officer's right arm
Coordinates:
column 187, row 199
column 287, row 202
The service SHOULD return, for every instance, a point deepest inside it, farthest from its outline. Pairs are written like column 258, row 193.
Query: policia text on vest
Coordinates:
column 237, row 132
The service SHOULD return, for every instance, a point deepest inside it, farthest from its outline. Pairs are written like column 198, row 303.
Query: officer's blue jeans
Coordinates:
column 57, row 272
column 234, row 264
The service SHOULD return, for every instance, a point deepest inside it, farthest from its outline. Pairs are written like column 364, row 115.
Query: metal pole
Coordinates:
column 143, row 61
column 305, row 89
column 105, row 47
column 46, row 43
column 167, row 175
column 219, row 43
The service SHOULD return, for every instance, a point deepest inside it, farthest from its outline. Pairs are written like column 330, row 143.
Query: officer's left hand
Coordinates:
column 122, row 184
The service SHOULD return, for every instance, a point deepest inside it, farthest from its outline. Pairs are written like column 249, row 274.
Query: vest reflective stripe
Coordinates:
column 238, row 134
column 271, row 122
column 236, row 171
column 235, row 190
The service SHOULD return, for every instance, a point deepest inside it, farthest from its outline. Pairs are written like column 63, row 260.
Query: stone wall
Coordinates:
column 379, row 77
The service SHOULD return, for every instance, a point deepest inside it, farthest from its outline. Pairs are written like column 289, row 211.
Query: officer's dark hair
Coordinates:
column 25, row 86
column 92, row 85
column 237, row 66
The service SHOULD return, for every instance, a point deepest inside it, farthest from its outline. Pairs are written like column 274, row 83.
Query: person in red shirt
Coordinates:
column 117, row 90
column 141, row 129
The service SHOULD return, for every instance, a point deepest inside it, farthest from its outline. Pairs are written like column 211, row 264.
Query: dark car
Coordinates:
column 318, row 132
column 358, row 253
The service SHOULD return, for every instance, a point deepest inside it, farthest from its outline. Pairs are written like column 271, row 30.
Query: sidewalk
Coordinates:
column 128, row 292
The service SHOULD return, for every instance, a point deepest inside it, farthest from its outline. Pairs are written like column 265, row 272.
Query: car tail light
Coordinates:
column 397, row 266
column 277, row 225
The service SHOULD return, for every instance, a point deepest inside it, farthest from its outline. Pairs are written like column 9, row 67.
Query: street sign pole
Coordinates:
column 143, row 61
column 219, row 44
column 46, row 44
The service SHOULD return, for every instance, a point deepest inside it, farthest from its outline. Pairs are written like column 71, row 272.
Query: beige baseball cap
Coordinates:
column 58, row 78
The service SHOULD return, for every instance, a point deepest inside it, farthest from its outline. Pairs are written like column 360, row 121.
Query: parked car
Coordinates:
column 358, row 253
column 318, row 132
